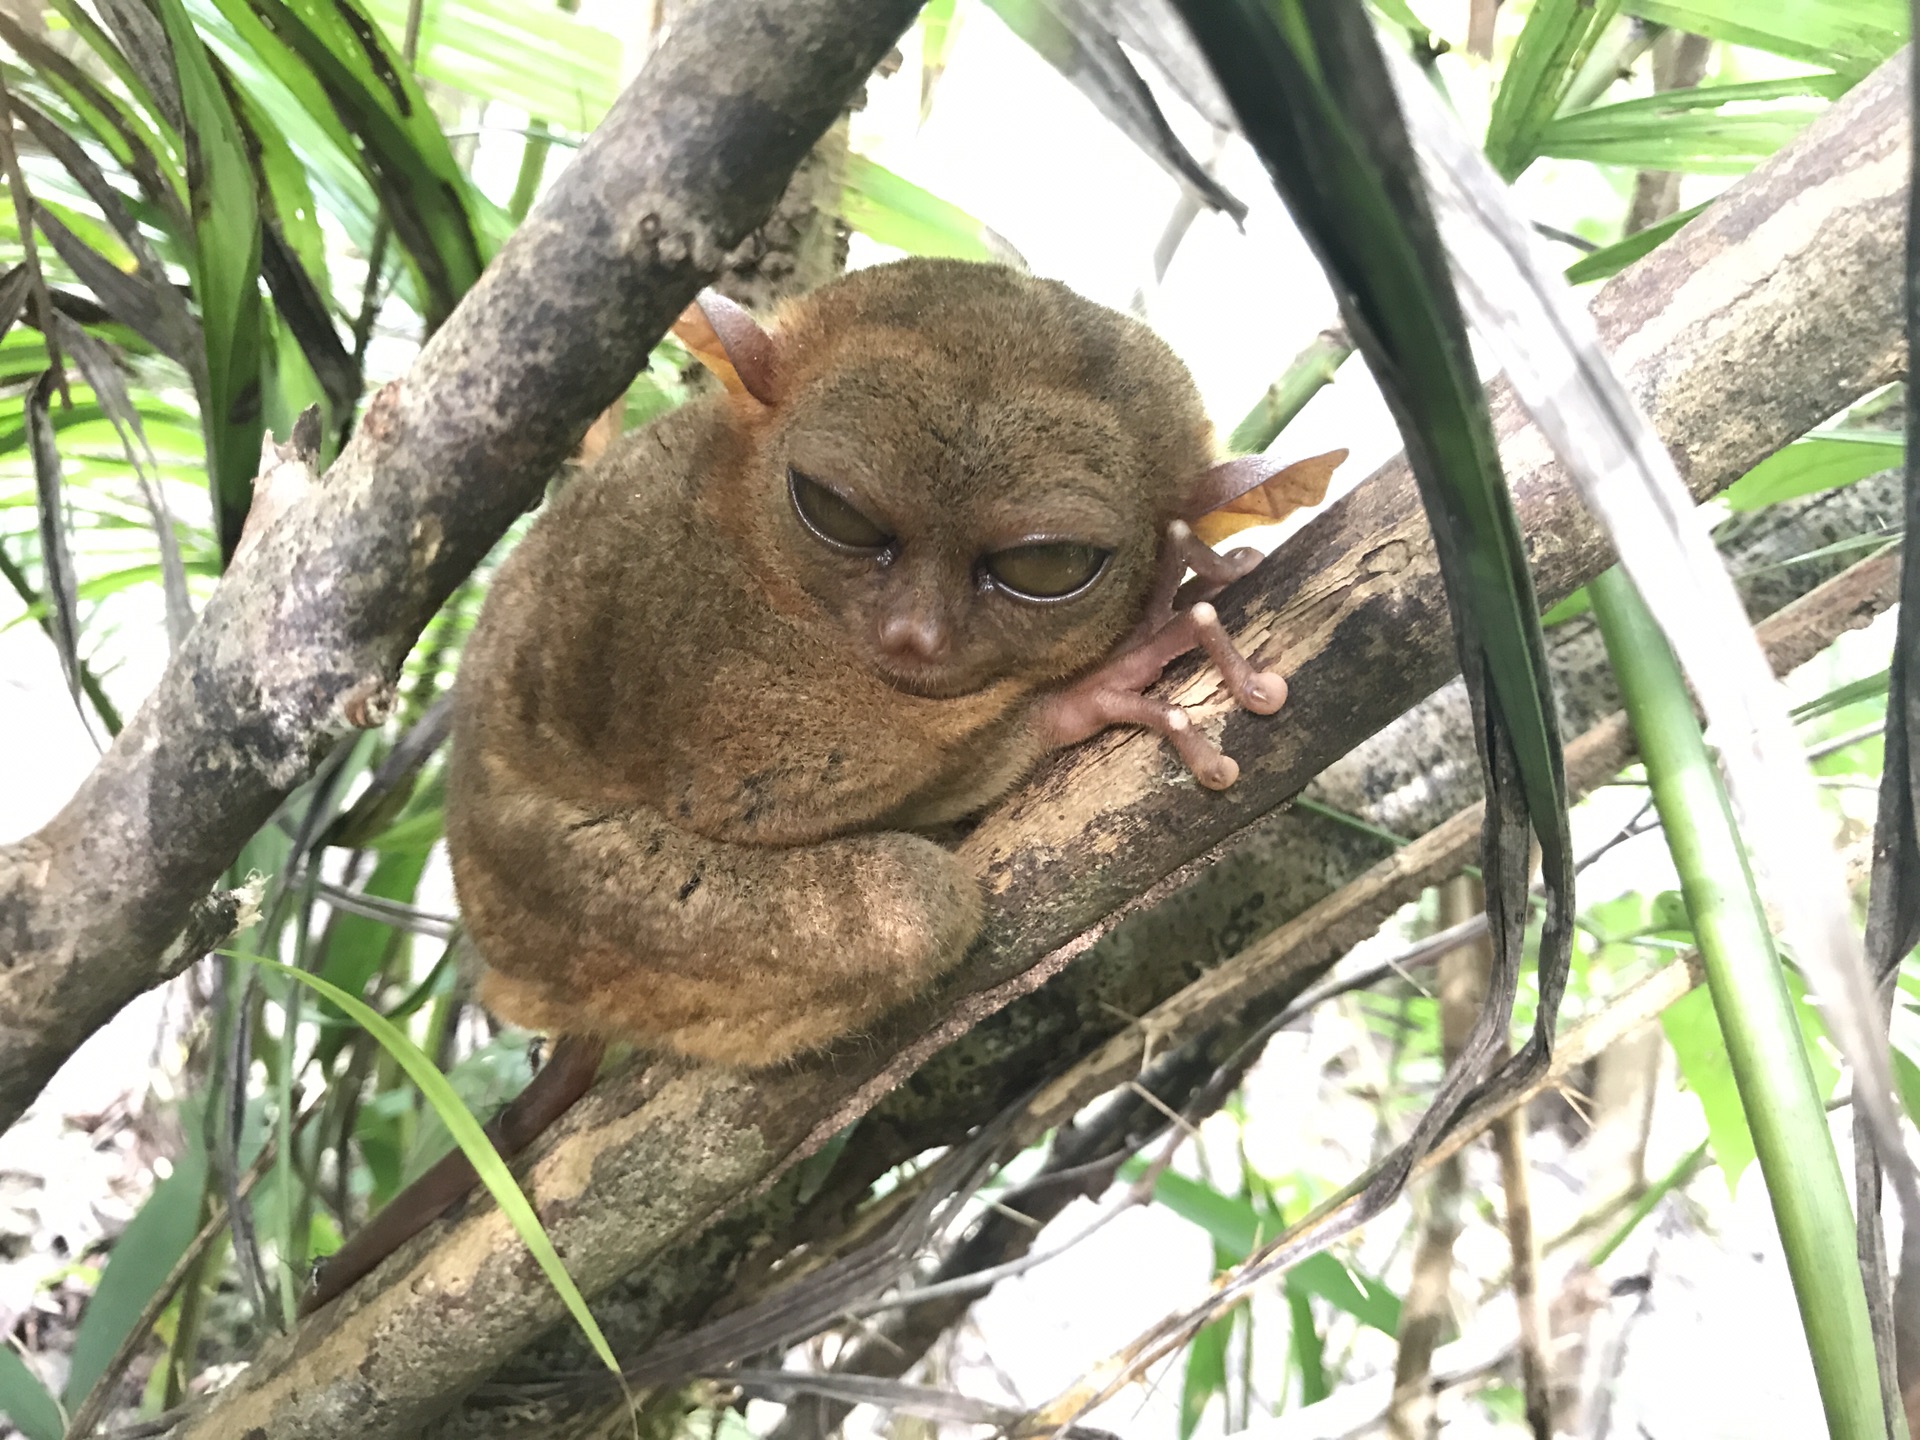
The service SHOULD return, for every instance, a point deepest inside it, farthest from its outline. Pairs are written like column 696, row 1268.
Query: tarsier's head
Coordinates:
column 965, row 469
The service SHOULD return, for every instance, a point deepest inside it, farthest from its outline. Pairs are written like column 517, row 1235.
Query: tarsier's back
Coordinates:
column 921, row 538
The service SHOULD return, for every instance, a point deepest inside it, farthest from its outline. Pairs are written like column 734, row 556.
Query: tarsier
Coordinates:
column 936, row 527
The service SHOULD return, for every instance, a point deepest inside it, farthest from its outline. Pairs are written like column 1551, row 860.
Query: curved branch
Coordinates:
column 304, row 638
column 1762, row 318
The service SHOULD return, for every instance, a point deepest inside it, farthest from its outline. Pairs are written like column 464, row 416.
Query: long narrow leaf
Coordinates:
column 111, row 390
column 1307, row 80
column 226, row 274
column 939, row 28
column 56, row 559
column 143, row 43
column 1612, row 259
column 1851, row 36
column 303, row 309
column 472, row 1139
column 143, row 1256
column 554, row 66
column 1069, row 36
column 1893, row 908
column 26, row 1403
column 14, row 286
column 1712, row 130
column 134, row 141
column 895, row 211
column 1555, row 40
column 434, row 210
column 1779, row 1095
column 1553, row 357
column 1815, row 463
column 77, row 163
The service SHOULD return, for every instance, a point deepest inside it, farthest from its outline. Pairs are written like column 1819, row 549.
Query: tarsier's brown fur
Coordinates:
column 693, row 744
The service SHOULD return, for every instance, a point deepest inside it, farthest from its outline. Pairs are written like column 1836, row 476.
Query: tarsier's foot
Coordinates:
column 1178, row 619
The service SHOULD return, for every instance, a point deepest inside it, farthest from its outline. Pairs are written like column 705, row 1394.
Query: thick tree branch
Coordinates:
column 1759, row 320
column 304, row 639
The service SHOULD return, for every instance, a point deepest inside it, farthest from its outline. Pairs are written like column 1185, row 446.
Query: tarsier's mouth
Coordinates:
column 929, row 682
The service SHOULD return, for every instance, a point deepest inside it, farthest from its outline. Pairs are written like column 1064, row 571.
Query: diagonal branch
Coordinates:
column 1766, row 315
column 304, row 639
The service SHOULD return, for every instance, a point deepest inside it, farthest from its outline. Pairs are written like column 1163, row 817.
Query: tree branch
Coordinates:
column 304, row 639
column 1770, row 312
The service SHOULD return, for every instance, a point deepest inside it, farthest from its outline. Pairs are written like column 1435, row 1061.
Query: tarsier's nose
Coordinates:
column 913, row 637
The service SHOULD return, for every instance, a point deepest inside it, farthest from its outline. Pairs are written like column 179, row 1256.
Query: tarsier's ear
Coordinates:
column 1251, row 490
column 729, row 342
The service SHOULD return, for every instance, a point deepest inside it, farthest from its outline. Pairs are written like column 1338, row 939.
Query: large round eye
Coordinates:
column 832, row 519
column 1051, row 571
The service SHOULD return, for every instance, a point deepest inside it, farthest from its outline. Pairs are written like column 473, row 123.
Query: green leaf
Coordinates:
column 485, row 1081
column 1850, row 36
column 1907, row 1075
column 535, row 58
column 143, row 1256
column 1401, row 14
column 938, row 30
column 1554, row 42
column 1206, row 1373
column 1571, row 608
column 1361, row 1296
column 1315, row 99
column 1709, row 130
column 285, row 188
column 1082, row 46
column 360, row 947
column 1694, row 1032
column 276, row 80
column 470, row 1137
column 1868, row 687
column 416, row 833
column 1306, row 1346
column 1611, row 259
column 896, row 212
column 335, row 58
column 147, row 150
column 225, row 266
column 1232, row 1222
column 25, row 1403
column 1819, row 462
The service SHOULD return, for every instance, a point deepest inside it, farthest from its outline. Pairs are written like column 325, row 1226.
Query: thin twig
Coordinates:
column 1632, row 1009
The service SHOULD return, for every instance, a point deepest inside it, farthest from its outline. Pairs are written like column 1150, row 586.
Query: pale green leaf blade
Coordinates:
column 472, row 1140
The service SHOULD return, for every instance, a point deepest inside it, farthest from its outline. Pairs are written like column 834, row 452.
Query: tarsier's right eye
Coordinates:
column 832, row 519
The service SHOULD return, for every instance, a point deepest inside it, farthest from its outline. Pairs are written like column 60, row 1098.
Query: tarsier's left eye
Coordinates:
column 1053, row 570
column 833, row 519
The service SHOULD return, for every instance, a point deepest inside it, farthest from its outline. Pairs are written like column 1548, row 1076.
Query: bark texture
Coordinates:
column 304, row 639
column 1763, row 317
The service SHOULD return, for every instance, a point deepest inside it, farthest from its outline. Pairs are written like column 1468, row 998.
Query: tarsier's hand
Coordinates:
column 1178, row 619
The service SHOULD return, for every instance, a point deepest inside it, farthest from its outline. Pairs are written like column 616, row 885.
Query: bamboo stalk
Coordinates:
column 1770, row 1066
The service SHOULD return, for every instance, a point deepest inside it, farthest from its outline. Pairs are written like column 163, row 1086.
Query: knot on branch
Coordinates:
column 213, row 920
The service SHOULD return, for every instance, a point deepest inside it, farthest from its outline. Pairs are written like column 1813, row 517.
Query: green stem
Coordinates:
column 1811, row 1203
column 533, row 165
column 1311, row 371
column 1683, row 1171
column 533, row 158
